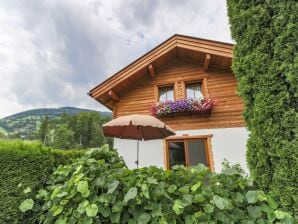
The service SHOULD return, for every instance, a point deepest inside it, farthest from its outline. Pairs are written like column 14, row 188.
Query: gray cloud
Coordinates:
column 52, row 52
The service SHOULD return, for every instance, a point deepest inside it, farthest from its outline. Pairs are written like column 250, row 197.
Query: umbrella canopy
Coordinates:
column 139, row 127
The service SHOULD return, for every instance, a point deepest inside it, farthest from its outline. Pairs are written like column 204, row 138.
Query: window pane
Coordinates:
column 166, row 93
column 162, row 94
column 197, row 152
column 193, row 90
column 176, row 153
column 170, row 94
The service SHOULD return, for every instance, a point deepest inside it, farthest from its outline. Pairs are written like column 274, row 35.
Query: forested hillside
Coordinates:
column 26, row 124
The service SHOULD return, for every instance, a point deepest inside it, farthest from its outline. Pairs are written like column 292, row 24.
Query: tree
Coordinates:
column 64, row 137
column 43, row 129
column 83, row 134
column 265, row 63
column 97, row 138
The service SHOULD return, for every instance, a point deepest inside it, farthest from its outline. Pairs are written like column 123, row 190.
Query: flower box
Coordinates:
column 182, row 106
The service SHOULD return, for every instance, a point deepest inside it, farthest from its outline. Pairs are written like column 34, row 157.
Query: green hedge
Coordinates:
column 25, row 165
column 98, row 188
column 266, row 63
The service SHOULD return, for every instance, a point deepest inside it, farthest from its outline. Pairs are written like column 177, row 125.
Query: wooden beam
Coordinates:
column 115, row 111
column 113, row 95
column 205, row 88
column 151, row 71
column 207, row 62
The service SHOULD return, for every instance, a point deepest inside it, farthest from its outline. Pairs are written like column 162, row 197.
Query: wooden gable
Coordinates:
column 177, row 61
column 203, row 52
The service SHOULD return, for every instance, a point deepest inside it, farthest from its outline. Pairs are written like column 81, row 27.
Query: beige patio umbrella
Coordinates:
column 138, row 127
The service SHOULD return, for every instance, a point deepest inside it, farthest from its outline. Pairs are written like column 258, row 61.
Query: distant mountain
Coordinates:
column 27, row 121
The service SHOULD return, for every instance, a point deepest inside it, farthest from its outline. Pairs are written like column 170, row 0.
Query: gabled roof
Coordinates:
column 196, row 49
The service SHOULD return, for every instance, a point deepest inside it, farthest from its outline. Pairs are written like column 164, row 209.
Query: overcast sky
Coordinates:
column 53, row 52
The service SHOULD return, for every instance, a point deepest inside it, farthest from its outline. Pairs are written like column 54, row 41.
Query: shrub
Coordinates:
column 265, row 63
column 25, row 166
column 98, row 188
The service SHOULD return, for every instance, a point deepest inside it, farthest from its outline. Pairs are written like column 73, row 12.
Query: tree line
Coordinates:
column 83, row 130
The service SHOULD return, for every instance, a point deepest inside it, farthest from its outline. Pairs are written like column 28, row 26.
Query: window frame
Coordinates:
column 166, row 87
column 158, row 87
column 185, row 139
column 200, row 82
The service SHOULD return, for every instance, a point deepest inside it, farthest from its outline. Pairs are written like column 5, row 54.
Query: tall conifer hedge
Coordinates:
column 266, row 65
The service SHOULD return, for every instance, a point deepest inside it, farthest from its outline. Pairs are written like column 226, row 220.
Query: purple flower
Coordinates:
column 182, row 105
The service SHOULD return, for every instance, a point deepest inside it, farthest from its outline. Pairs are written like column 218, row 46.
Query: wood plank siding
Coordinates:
column 219, row 84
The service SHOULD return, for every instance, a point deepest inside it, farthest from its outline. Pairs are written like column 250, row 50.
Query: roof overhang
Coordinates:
column 176, row 46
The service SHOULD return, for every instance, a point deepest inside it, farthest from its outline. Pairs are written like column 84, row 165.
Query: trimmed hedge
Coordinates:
column 25, row 165
column 266, row 63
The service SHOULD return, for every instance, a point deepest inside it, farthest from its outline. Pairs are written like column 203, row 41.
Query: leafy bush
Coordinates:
column 265, row 63
column 25, row 166
column 98, row 188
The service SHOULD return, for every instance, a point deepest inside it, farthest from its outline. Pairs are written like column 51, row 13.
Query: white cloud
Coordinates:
column 53, row 52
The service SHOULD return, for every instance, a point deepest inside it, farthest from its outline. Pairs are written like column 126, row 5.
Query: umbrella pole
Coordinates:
column 137, row 161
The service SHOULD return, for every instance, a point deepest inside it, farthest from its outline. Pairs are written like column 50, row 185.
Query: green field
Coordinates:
column 2, row 130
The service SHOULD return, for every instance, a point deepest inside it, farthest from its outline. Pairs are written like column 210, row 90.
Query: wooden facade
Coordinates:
column 176, row 62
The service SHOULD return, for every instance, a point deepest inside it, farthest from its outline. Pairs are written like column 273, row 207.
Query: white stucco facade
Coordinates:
column 227, row 143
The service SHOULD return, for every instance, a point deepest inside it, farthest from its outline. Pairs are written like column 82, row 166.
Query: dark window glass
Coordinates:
column 197, row 152
column 166, row 93
column 176, row 153
column 193, row 90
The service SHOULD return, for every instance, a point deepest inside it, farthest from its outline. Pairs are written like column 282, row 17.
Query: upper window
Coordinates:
column 166, row 93
column 194, row 90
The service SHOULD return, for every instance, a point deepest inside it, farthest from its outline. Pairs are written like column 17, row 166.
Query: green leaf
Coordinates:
column 280, row 214
column 27, row 190
column 100, row 181
column 113, row 186
column 252, row 197
column 115, row 217
column 208, row 208
column 57, row 209
column 144, row 218
column 117, row 207
column 87, row 220
column 82, row 206
column 178, row 207
column 172, row 188
column 83, row 188
column 26, row 205
column 105, row 212
column 199, row 198
column 230, row 171
column 221, row 203
column 254, row 211
column 41, row 194
column 184, row 189
column 131, row 194
column 92, row 210
column 145, row 190
column 189, row 219
column 272, row 203
column 156, row 210
column 151, row 180
column 195, row 186
column 61, row 220
column 239, row 198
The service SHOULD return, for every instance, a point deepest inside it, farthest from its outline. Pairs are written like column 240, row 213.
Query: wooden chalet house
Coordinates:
column 187, row 83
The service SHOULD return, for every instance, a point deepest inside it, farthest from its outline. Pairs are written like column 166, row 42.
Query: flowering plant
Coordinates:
column 183, row 105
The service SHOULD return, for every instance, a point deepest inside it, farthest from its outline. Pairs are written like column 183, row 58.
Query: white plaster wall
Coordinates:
column 150, row 153
column 227, row 143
